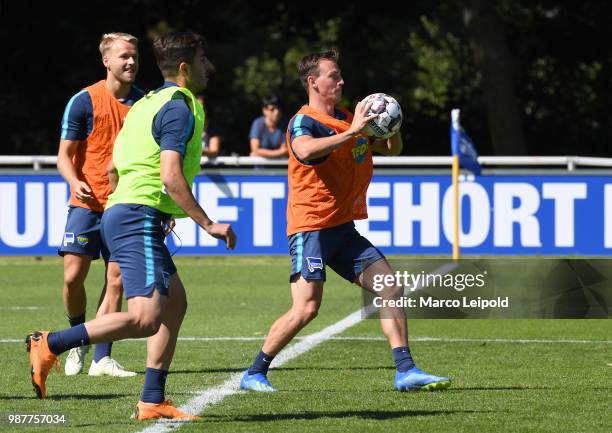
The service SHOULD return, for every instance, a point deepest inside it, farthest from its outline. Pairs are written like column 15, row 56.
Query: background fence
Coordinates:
column 561, row 207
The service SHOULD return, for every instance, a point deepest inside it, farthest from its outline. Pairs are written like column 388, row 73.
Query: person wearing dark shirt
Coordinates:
column 211, row 137
column 267, row 136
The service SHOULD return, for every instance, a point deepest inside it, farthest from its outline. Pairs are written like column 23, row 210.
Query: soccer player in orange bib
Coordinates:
column 91, row 122
column 330, row 169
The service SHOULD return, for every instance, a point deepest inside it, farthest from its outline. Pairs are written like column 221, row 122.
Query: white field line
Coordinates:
column 376, row 338
column 509, row 340
column 211, row 396
column 214, row 395
column 18, row 308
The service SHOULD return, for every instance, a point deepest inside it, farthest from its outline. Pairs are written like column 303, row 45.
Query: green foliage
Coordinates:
column 445, row 70
column 264, row 73
column 421, row 52
column 259, row 76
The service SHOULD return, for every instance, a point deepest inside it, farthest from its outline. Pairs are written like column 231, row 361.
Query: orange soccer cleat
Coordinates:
column 165, row 409
column 41, row 360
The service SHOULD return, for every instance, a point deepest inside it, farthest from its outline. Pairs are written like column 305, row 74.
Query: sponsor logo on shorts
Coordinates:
column 68, row 239
column 314, row 263
column 82, row 240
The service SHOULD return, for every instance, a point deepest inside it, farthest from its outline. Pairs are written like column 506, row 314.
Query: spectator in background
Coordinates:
column 211, row 140
column 268, row 132
column 211, row 136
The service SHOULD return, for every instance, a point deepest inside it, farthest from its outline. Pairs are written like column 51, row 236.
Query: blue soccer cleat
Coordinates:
column 418, row 380
column 257, row 382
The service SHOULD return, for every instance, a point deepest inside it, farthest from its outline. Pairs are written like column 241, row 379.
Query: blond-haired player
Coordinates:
column 92, row 119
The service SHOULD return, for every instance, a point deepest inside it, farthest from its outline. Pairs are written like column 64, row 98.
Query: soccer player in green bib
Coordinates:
column 155, row 160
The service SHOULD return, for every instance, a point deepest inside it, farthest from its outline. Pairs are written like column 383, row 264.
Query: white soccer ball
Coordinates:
column 390, row 116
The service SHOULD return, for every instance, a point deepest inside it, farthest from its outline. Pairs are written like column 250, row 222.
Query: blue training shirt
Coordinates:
column 77, row 121
column 268, row 139
column 174, row 123
column 303, row 124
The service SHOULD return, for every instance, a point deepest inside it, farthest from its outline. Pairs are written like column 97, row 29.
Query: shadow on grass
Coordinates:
column 312, row 369
column 362, row 414
column 56, row 397
column 500, row 388
column 89, row 396
column 453, row 390
column 523, row 388
column 352, row 368
column 208, row 370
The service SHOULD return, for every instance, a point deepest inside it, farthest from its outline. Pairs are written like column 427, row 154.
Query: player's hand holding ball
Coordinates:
column 361, row 117
column 388, row 119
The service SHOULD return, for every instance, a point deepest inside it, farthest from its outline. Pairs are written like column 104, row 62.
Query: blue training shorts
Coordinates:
column 342, row 248
column 82, row 234
column 134, row 235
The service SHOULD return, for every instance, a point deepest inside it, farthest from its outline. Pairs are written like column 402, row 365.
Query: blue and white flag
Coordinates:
column 462, row 145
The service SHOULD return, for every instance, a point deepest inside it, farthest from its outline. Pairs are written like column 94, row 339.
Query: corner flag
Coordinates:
column 464, row 155
column 462, row 145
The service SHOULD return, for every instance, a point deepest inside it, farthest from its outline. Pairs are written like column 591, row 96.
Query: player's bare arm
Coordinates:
column 257, row 150
column 67, row 149
column 307, row 147
column 171, row 174
column 390, row 147
column 113, row 175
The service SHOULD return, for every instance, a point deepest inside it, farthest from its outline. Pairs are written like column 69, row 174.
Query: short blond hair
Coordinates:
column 107, row 40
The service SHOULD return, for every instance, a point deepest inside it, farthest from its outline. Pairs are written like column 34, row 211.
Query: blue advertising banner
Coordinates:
column 409, row 214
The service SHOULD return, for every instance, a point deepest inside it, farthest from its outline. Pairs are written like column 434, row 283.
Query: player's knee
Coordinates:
column 147, row 324
column 75, row 271
column 73, row 281
column 181, row 309
column 150, row 327
column 114, row 284
column 309, row 312
column 114, row 288
column 393, row 292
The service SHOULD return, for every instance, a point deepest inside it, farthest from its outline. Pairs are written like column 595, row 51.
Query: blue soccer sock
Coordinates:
column 102, row 350
column 69, row 338
column 261, row 364
column 154, row 386
column 403, row 359
column 74, row 321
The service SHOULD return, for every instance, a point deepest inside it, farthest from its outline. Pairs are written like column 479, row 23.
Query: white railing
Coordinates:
column 569, row 162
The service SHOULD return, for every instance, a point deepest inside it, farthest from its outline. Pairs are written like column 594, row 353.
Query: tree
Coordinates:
column 497, row 68
column 532, row 77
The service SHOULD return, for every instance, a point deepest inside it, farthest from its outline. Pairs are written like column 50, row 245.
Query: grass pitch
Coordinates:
column 342, row 385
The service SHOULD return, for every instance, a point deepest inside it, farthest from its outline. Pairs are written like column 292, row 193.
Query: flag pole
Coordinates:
column 455, row 207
